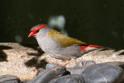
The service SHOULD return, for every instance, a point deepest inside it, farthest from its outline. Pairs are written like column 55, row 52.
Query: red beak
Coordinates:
column 31, row 34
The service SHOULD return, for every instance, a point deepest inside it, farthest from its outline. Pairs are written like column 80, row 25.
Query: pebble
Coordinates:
column 102, row 73
column 94, row 73
column 9, row 79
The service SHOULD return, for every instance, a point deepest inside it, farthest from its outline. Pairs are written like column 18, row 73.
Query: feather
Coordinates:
column 64, row 40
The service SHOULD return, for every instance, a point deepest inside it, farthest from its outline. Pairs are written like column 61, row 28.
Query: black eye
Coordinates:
column 37, row 31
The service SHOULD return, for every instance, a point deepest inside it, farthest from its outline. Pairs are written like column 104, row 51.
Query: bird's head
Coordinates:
column 36, row 29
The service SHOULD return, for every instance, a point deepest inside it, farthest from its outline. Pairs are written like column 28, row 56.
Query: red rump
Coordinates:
column 84, row 47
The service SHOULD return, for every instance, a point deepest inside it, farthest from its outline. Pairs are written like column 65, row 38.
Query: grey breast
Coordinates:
column 46, row 43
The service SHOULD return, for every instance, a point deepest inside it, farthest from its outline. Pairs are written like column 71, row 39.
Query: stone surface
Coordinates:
column 9, row 79
column 46, row 75
column 103, row 73
column 99, row 56
column 75, row 78
column 16, row 57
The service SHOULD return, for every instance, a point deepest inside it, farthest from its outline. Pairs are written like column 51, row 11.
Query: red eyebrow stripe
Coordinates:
column 42, row 26
column 39, row 27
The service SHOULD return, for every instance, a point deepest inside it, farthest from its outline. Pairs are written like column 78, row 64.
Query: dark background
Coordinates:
column 93, row 21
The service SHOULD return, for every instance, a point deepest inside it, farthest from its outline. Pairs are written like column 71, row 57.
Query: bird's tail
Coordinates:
column 89, row 47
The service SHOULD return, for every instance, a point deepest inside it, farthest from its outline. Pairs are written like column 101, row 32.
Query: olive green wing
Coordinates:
column 63, row 39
